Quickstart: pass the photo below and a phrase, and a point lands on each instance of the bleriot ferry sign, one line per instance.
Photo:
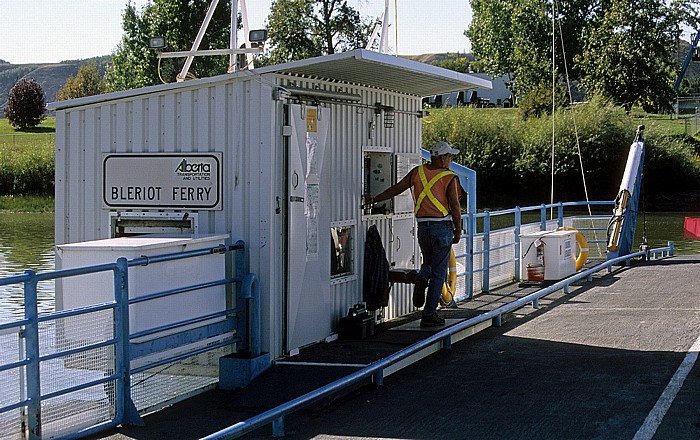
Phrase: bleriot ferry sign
(162, 180)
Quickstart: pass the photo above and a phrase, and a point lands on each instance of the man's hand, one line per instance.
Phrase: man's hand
(456, 235)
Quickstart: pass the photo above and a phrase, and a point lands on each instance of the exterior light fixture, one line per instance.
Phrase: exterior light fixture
(257, 35)
(156, 42)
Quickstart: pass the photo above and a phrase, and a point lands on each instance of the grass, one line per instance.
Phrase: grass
(48, 125)
(26, 204)
(27, 167)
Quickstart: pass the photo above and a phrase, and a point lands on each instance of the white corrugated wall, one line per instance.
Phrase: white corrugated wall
(235, 116)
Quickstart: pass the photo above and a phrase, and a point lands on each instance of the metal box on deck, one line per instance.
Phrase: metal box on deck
(143, 280)
(559, 254)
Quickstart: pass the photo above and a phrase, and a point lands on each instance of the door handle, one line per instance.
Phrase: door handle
(296, 199)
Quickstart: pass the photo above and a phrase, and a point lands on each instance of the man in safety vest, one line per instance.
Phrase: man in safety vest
(436, 196)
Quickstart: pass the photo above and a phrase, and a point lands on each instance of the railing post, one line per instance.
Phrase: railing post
(671, 245)
(239, 256)
(560, 214)
(378, 377)
(31, 335)
(516, 232)
(126, 412)
(469, 259)
(278, 427)
(486, 255)
(543, 217)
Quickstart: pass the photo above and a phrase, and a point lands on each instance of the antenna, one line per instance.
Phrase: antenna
(259, 37)
(379, 40)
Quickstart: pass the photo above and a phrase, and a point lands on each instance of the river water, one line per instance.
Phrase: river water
(27, 242)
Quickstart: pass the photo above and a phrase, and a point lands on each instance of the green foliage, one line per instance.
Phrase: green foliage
(136, 65)
(538, 101)
(618, 48)
(512, 156)
(87, 82)
(515, 37)
(628, 53)
(26, 104)
(27, 169)
(673, 163)
(301, 29)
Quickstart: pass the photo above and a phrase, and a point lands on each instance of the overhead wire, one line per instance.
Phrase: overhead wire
(573, 117)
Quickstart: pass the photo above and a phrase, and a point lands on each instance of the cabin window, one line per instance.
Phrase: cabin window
(342, 251)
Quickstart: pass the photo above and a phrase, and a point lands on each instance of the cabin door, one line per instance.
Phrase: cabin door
(308, 308)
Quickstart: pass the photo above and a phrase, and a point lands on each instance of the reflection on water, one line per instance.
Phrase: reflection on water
(662, 227)
(26, 242)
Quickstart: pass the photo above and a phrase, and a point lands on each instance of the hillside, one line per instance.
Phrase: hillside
(51, 77)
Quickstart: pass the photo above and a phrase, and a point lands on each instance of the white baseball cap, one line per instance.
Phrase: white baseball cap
(441, 148)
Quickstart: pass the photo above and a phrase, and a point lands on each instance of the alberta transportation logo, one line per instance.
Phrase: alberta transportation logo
(193, 170)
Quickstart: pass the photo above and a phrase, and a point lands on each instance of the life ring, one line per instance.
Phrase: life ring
(582, 256)
(450, 287)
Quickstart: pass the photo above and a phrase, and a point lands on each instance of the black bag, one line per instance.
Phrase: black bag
(375, 287)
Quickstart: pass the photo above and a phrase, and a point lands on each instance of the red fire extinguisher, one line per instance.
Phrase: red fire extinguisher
(535, 272)
(539, 247)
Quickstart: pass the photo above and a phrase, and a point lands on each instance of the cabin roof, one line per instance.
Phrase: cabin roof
(360, 67)
(374, 69)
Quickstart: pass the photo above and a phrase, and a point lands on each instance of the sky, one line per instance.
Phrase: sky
(49, 31)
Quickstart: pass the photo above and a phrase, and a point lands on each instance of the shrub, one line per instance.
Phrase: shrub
(512, 157)
(26, 104)
(538, 101)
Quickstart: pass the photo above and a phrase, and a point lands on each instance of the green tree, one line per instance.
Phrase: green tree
(26, 104)
(514, 38)
(628, 53)
(136, 65)
(301, 29)
(86, 82)
(621, 49)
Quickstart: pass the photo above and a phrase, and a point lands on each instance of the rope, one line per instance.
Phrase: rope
(576, 134)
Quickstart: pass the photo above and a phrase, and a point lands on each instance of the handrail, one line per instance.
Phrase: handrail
(275, 416)
(123, 340)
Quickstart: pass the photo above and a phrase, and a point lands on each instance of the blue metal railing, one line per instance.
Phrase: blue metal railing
(375, 371)
(488, 255)
(246, 331)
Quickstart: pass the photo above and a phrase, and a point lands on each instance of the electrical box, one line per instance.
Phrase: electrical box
(377, 176)
(557, 255)
(405, 162)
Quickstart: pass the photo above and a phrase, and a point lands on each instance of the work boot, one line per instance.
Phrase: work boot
(433, 320)
(419, 292)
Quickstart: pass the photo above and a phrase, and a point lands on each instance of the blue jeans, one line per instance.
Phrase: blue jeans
(435, 241)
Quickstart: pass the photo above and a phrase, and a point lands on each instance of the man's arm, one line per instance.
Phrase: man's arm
(392, 191)
(455, 212)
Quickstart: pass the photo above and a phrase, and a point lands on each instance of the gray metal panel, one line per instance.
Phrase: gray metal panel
(374, 69)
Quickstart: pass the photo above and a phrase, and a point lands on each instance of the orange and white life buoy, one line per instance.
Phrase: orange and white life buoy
(450, 286)
(582, 256)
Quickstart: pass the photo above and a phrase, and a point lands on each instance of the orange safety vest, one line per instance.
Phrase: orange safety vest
(430, 192)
